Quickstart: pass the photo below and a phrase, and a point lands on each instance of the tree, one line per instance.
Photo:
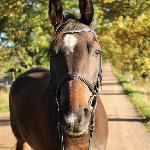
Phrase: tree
(126, 35)
(123, 29)
(27, 34)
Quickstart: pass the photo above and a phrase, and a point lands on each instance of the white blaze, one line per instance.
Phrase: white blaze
(70, 42)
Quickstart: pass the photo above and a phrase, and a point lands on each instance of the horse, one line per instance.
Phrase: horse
(60, 108)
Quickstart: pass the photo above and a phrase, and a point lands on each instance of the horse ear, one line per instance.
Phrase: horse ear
(87, 11)
(55, 12)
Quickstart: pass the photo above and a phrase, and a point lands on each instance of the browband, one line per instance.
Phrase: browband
(80, 30)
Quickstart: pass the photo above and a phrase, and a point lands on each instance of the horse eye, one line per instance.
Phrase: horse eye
(97, 52)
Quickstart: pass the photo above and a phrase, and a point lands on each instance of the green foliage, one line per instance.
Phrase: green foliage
(123, 29)
(138, 94)
(125, 37)
(4, 106)
(25, 34)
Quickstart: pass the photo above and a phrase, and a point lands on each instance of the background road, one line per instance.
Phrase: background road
(126, 130)
(7, 140)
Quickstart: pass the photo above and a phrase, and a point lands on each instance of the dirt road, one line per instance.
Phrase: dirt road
(126, 130)
(7, 140)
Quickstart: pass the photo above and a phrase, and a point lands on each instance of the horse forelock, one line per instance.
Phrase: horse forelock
(68, 19)
(70, 23)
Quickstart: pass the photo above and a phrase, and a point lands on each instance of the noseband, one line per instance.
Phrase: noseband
(93, 89)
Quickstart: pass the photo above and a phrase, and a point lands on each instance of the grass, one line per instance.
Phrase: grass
(139, 95)
(4, 106)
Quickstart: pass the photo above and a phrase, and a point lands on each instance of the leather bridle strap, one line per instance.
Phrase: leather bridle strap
(76, 76)
(80, 30)
(93, 88)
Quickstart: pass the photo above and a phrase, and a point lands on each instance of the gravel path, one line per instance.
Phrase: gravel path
(7, 140)
(126, 130)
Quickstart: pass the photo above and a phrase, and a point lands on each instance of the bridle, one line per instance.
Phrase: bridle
(93, 88)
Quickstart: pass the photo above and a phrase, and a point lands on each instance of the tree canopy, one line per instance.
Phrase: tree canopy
(123, 29)
(126, 39)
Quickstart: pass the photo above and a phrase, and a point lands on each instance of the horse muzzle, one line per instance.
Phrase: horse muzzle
(76, 123)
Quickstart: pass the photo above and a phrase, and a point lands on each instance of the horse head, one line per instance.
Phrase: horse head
(75, 59)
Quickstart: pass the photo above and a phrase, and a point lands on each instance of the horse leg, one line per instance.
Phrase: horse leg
(22, 146)
(19, 145)
(26, 146)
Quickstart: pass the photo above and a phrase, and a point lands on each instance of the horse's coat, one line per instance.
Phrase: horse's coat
(56, 109)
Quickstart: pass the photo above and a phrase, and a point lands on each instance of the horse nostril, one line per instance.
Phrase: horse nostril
(86, 111)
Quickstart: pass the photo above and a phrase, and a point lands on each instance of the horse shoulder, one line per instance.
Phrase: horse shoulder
(30, 95)
(32, 79)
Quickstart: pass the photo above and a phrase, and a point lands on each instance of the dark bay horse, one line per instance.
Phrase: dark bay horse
(61, 109)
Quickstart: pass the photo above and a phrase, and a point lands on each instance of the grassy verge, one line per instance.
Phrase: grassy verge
(139, 94)
(4, 107)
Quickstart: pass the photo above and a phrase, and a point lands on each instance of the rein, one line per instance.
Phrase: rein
(94, 89)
